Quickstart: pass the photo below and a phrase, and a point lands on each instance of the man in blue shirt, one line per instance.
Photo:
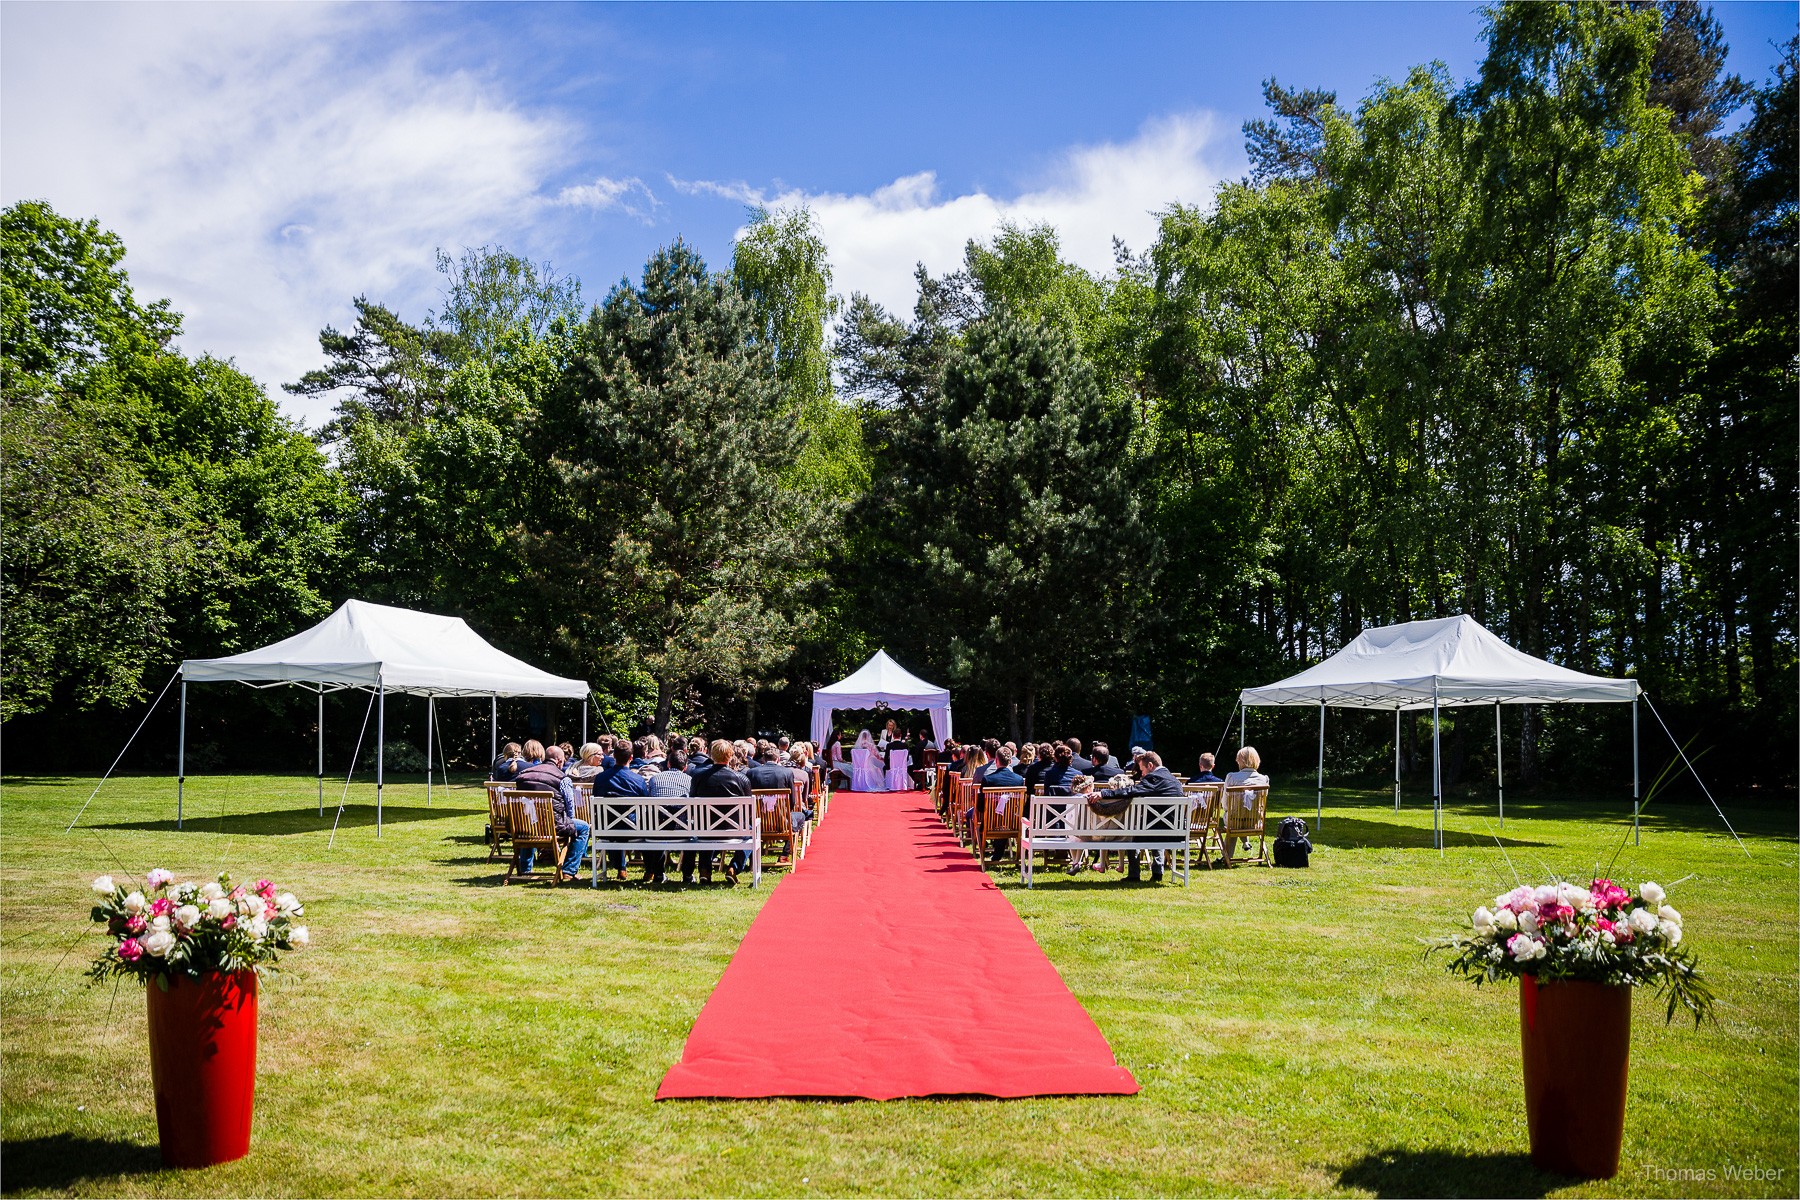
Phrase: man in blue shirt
(618, 779)
(1206, 771)
(1000, 773)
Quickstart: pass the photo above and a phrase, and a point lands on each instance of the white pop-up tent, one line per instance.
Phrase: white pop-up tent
(1450, 663)
(379, 649)
(881, 681)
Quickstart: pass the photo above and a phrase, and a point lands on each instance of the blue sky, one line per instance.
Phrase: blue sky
(267, 163)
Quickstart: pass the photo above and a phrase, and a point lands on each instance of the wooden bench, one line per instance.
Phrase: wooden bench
(1153, 823)
(676, 823)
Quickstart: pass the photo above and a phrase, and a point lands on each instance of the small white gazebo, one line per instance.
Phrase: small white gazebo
(379, 649)
(1450, 663)
(882, 681)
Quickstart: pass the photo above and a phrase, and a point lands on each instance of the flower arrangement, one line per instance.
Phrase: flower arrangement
(1600, 933)
(193, 929)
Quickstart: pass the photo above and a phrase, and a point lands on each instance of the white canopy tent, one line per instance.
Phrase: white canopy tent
(379, 649)
(881, 681)
(1450, 663)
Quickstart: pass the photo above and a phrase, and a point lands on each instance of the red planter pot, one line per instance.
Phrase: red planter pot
(203, 1067)
(1576, 1039)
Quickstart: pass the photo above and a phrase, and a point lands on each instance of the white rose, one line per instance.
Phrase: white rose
(1607, 937)
(1650, 894)
(1670, 931)
(159, 943)
(160, 924)
(211, 891)
(299, 936)
(1576, 898)
(187, 916)
(1506, 919)
(104, 885)
(288, 903)
(259, 929)
(1483, 920)
(1668, 914)
(219, 909)
(135, 902)
(1528, 923)
(1643, 920)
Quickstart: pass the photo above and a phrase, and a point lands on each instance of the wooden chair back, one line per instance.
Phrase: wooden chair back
(774, 813)
(1242, 810)
(1203, 820)
(998, 816)
(531, 821)
(498, 829)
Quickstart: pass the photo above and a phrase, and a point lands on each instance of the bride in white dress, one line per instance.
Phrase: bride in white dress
(865, 766)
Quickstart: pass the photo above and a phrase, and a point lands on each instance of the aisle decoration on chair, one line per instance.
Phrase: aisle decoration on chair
(201, 947)
(1577, 953)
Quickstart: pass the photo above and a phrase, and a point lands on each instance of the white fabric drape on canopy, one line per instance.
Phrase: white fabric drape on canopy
(881, 680)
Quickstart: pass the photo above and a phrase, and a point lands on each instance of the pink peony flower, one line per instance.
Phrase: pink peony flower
(130, 950)
(237, 893)
(1608, 895)
(229, 922)
(265, 889)
(134, 924)
(270, 910)
(159, 878)
(162, 906)
(1520, 899)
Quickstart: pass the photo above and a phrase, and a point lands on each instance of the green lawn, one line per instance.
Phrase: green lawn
(445, 1036)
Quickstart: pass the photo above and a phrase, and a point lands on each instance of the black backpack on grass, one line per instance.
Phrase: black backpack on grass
(1292, 846)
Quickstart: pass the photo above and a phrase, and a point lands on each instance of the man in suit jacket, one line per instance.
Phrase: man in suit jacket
(1157, 781)
(716, 778)
(1000, 773)
(767, 772)
(546, 774)
(1105, 765)
(1083, 766)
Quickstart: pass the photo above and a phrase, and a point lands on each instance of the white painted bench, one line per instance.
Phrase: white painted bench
(1153, 823)
(675, 823)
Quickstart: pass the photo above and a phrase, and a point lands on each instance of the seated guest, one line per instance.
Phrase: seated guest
(592, 762)
(766, 773)
(546, 774)
(1157, 781)
(654, 752)
(1248, 774)
(1206, 771)
(1027, 758)
(837, 760)
(605, 742)
(696, 754)
(784, 751)
(990, 750)
(1105, 766)
(640, 758)
(620, 780)
(511, 761)
(1060, 777)
(715, 779)
(672, 781)
(999, 774)
(1082, 765)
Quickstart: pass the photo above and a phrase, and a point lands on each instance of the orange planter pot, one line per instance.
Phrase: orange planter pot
(203, 1067)
(1576, 1039)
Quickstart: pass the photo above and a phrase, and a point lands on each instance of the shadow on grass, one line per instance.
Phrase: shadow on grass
(281, 822)
(1353, 833)
(62, 1160)
(1399, 1172)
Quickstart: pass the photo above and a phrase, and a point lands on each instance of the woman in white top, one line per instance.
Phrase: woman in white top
(1248, 774)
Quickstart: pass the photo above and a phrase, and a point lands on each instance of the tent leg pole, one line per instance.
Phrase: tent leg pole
(584, 705)
(321, 751)
(1437, 778)
(1637, 835)
(1499, 765)
(1243, 739)
(181, 756)
(430, 720)
(1396, 760)
(380, 747)
(493, 728)
(1319, 808)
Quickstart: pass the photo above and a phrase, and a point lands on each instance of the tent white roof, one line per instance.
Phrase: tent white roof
(363, 645)
(881, 680)
(1456, 660)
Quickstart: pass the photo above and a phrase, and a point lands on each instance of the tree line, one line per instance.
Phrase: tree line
(1521, 346)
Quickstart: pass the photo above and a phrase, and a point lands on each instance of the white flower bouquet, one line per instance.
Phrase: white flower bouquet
(1601, 933)
(169, 928)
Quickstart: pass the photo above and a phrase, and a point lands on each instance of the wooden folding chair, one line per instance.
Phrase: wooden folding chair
(997, 818)
(498, 828)
(775, 815)
(1241, 813)
(1203, 823)
(531, 817)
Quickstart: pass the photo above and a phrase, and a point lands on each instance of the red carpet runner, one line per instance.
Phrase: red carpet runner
(889, 965)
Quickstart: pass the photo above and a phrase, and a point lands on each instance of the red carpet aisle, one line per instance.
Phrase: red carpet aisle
(888, 965)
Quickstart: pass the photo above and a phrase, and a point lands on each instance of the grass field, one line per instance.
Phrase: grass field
(445, 1036)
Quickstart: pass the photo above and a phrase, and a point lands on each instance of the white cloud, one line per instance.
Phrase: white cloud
(630, 196)
(260, 164)
(1091, 195)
